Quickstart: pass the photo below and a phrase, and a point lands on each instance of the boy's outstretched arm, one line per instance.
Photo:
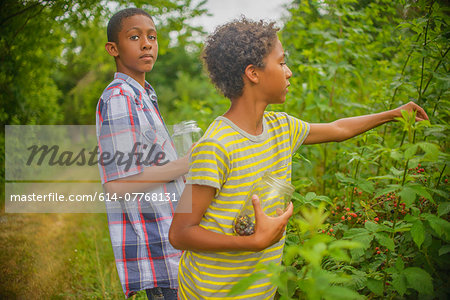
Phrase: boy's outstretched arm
(346, 128)
(186, 234)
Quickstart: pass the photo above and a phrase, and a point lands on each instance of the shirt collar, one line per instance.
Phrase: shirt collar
(133, 83)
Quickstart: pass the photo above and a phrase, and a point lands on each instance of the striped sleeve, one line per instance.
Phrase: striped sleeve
(298, 130)
(208, 164)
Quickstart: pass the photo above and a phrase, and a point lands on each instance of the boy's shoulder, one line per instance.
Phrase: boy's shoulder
(275, 115)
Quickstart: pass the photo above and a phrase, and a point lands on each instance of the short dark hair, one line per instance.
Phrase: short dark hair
(115, 23)
(232, 47)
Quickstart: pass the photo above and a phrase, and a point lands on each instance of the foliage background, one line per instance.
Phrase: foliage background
(348, 58)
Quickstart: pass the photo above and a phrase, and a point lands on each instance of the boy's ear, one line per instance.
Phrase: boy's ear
(111, 48)
(251, 73)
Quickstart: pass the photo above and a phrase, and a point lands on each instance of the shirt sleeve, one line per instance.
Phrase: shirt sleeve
(119, 138)
(299, 130)
(208, 164)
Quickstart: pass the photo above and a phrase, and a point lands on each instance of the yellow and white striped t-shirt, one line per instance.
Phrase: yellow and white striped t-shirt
(231, 160)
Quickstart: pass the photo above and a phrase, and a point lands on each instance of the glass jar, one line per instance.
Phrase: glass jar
(274, 195)
(184, 135)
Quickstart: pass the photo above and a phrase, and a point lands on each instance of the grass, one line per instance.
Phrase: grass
(57, 256)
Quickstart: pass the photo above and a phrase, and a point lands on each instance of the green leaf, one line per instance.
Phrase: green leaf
(421, 191)
(391, 188)
(365, 185)
(340, 292)
(410, 218)
(408, 195)
(376, 286)
(399, 283)
(443, 208)
(399, 264)
(419, 280)
(444, 250)
(418, 233)
(410, 151)
(343, 244)
(371, 226)
(345, 179)
(388, 177)
(431, 150)
(243, 284)
(351, 233)
(385, 241)
(310, 196)
(440, 226)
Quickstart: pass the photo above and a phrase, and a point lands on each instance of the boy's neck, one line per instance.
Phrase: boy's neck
(247, 113)
(139, 77)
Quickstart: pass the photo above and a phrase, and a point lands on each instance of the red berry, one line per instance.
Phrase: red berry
(360, 193)
(331, 229)
(376, 248)
(323, 231)
(378, 252)
(349, 218)
(337, 207)
(446, 180)
(387, 283)
(343, 218)
(377, 219)
(347, 209)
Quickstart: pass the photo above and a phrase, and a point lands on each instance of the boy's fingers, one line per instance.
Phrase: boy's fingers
(288, 212)
(256, 205)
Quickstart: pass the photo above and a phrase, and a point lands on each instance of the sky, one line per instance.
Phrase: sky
(227, 10)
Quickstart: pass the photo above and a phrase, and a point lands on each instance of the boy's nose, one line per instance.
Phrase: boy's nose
(288, 72)
(146, 44)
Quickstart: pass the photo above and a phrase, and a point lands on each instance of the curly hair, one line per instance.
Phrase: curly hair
(232, 47)
(115, 23)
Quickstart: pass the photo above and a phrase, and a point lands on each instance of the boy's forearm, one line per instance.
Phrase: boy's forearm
(197, 238)
(151, 177)
(346, 128)
(353, 126)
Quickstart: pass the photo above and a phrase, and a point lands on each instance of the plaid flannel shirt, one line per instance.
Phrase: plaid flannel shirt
(130, 127)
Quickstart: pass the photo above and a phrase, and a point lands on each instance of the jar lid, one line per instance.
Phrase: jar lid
(281, 184)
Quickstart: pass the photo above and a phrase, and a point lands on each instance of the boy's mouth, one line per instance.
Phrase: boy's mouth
(146, 56)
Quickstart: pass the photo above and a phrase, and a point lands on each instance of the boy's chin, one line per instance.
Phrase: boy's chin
(148, 68)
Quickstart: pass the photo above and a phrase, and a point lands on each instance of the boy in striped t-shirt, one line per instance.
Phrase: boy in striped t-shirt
(246, 62)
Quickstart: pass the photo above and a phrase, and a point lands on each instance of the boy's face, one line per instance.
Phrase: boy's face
(137, 47)
(274, 78)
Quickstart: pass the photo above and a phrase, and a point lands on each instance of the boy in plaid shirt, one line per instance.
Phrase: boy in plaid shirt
(139, 167)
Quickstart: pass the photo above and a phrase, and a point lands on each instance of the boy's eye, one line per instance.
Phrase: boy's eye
(134, 37)
(283, 63)
(152, 37)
